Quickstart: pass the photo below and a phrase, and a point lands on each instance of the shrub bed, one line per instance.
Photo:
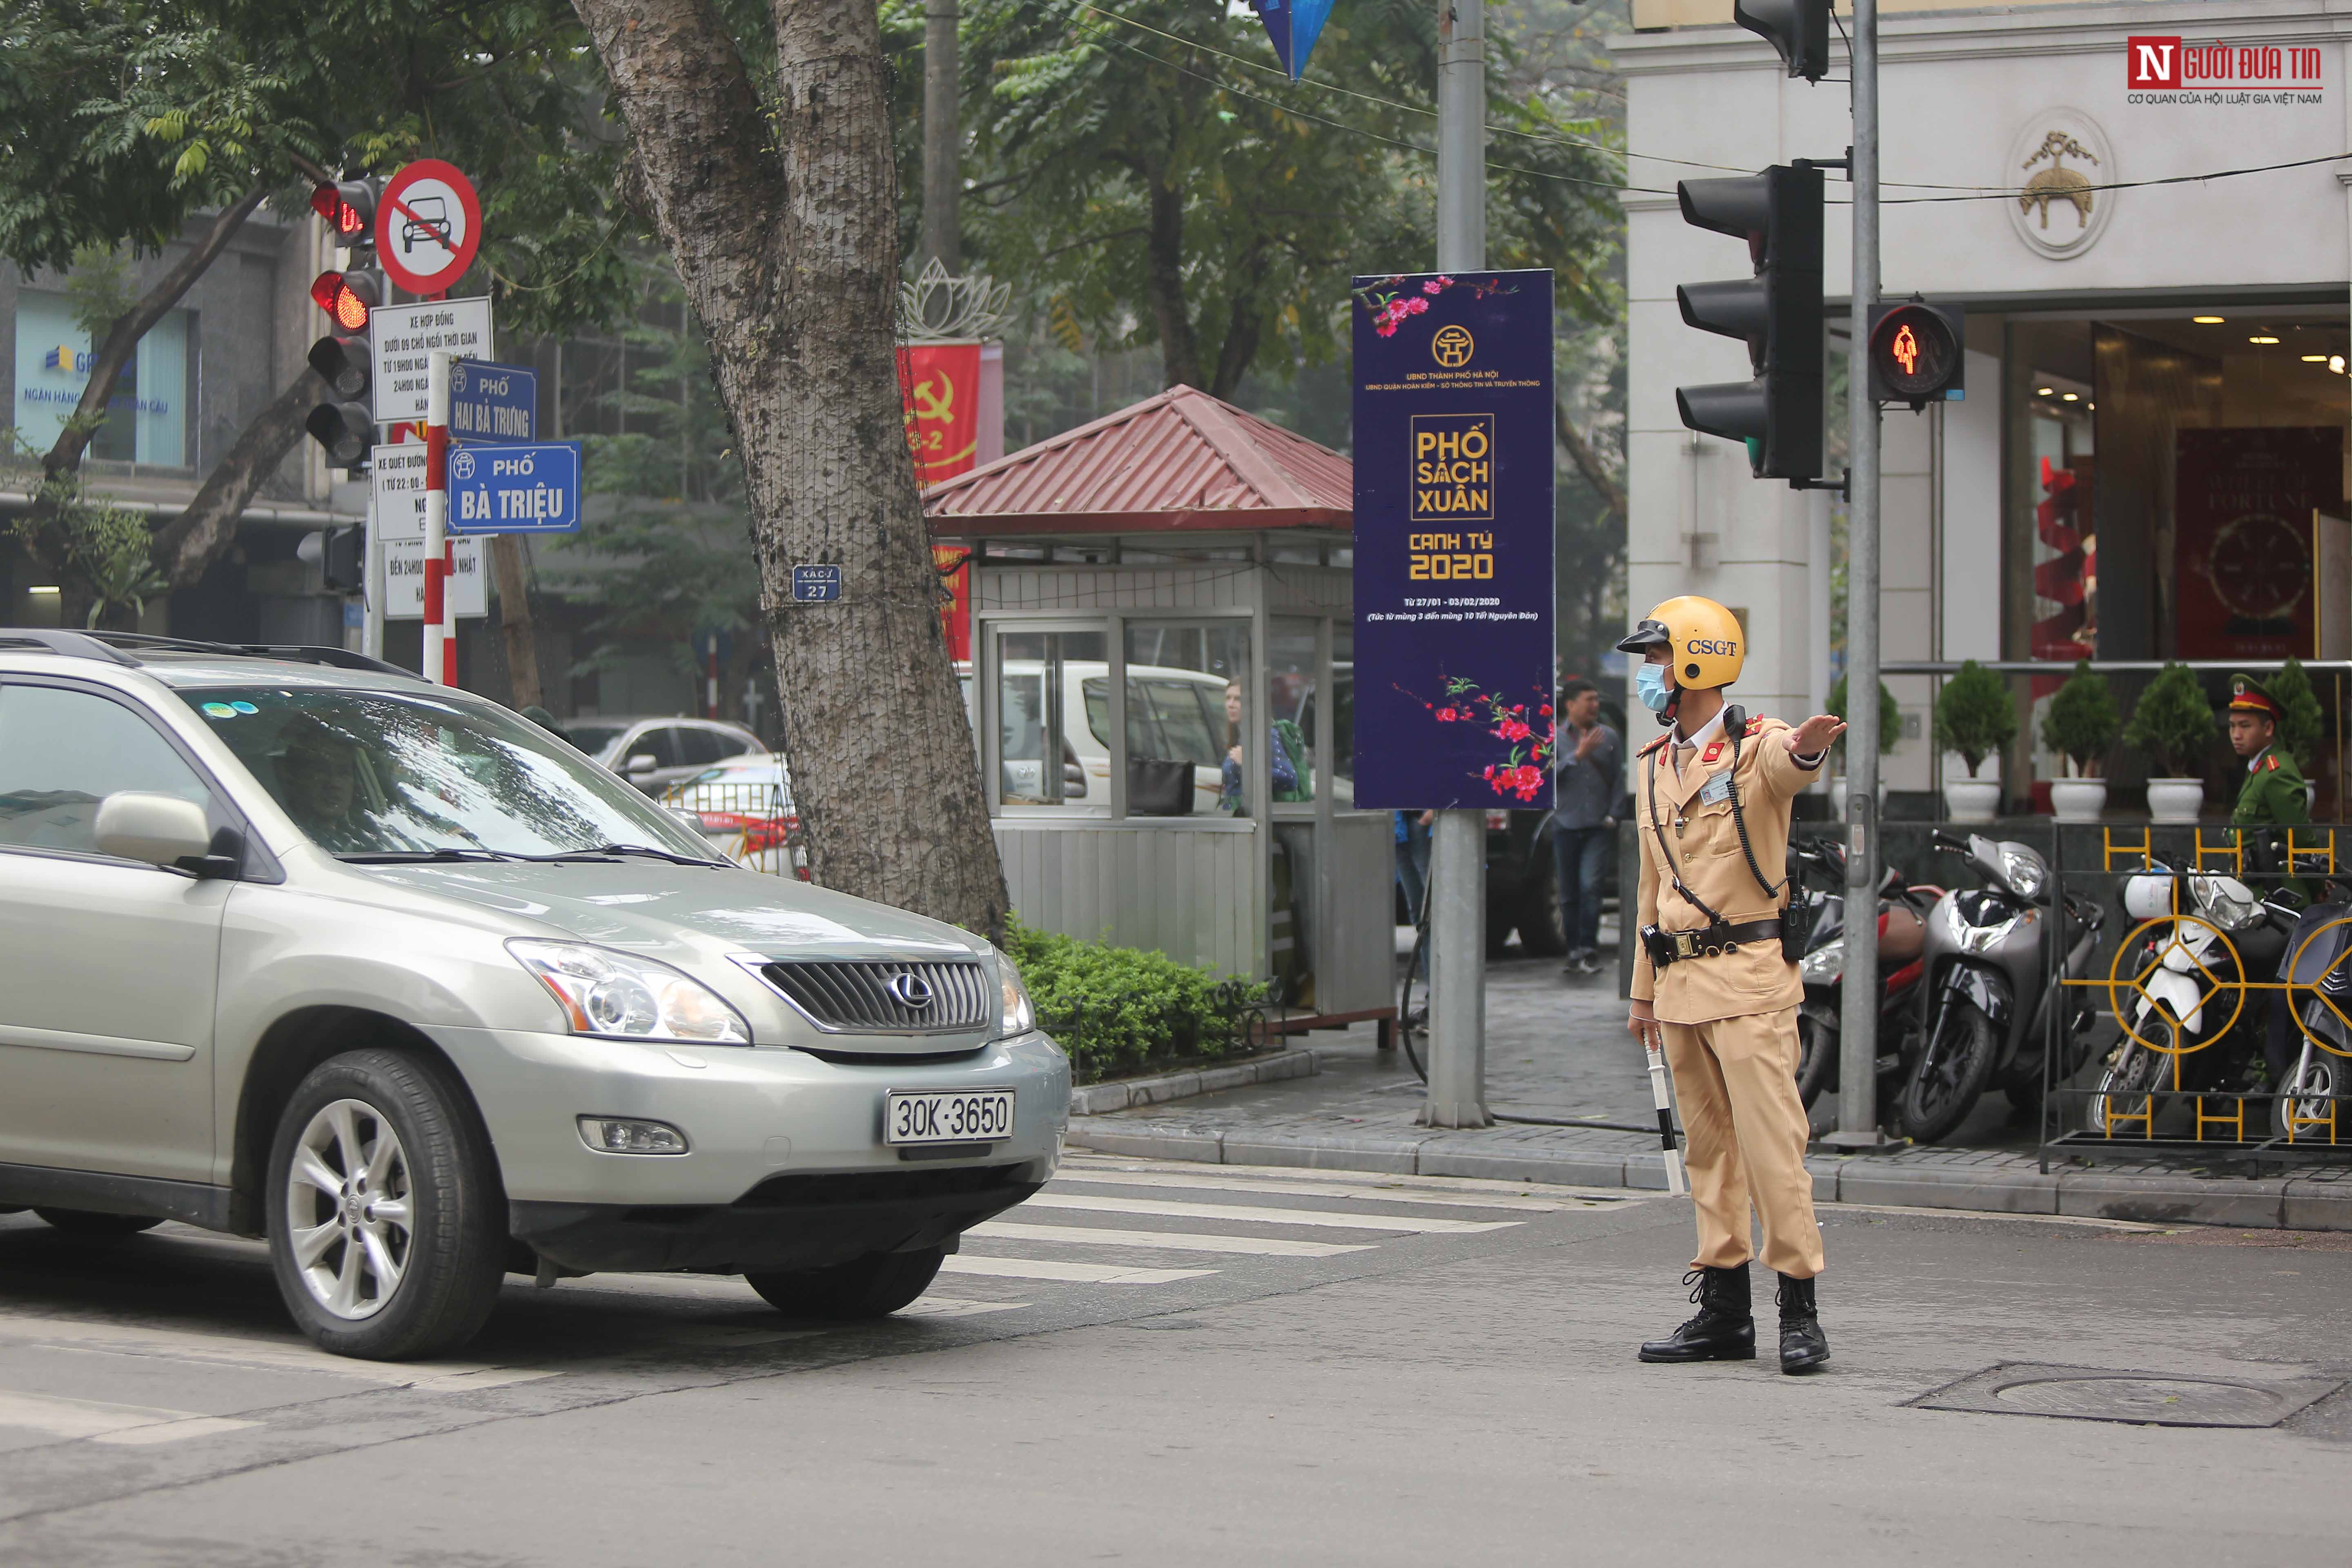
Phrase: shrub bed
(1117, 1009)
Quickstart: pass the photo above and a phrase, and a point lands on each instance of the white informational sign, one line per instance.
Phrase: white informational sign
(404, 577)
(405, 336)
(399, 473)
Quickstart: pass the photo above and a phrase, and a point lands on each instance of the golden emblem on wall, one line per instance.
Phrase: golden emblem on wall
(1453, 346)
(2059, 183)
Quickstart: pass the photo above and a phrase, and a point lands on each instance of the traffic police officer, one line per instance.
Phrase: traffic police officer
(1712, 974)
(2273, 793)
(2272, 796)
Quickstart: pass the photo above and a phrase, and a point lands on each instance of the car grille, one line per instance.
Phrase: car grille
(886, 997)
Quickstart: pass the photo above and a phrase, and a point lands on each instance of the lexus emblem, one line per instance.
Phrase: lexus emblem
(910, 991)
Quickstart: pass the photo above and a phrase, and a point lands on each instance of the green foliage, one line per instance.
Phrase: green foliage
(1116, 1008)
(1976, 715)
(100, 289)
(2082, 719)
(2301, 725)
(1890, 714)
(104, 553)
(2173, 723)
(1156, 180)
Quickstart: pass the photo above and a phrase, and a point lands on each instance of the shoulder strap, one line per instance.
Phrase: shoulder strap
(1735, 725)
(1666, 856)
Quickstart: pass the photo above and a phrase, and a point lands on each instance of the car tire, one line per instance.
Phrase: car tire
(385, 1253)
(872, 1286)
(96, 1226)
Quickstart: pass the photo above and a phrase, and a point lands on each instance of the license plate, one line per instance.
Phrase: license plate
(980, 1118)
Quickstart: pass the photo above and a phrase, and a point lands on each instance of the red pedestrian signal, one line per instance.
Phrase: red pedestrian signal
(348, 297)
(1917, 352)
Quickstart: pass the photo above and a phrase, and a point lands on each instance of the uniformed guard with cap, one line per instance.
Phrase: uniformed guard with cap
(2273, 793)
(1716, 975)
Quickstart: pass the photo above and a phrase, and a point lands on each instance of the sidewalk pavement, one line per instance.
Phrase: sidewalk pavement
(1557, 1047)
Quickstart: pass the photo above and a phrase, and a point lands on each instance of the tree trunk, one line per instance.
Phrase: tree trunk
(1179, 348)
(786, 241)
(186, 547)
(514, 619)
(1588, 462)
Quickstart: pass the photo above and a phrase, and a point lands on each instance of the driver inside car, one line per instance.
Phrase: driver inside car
(318, 776)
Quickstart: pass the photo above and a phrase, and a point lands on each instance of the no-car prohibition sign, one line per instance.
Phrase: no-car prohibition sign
(427, 226)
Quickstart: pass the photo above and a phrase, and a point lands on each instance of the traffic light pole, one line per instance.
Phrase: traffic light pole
(1858, 1059)
(440, 660)
(1457, 884)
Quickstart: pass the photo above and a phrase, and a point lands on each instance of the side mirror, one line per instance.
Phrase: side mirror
(156, 829)
(639, 764)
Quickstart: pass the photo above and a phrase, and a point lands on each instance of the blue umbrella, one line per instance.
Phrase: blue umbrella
(1293, 25)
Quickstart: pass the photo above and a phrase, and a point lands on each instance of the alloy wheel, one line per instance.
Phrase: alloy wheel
(348, 1215)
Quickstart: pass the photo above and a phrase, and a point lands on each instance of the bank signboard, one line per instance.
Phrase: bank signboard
(1453, 540)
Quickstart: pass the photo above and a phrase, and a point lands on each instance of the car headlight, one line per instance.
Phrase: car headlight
(1824, 965)
(621, 996)
(1019, 1016)
(2022, 869)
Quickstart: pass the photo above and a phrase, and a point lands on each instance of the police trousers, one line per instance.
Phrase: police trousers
(1735, 1081)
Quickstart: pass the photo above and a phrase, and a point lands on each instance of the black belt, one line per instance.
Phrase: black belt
(1667, 947)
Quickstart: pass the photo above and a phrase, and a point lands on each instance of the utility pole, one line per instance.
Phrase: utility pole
(1858, 1059)
(1457, 924)
(943, 135)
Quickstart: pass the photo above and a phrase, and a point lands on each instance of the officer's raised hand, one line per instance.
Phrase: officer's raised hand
(1815, 735)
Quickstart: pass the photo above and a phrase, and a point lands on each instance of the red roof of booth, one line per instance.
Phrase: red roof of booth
(1181, 460)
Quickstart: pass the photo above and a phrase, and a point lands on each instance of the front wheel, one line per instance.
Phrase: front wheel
(2121, 1102)
(1950, 1075)
(2319, 1077)
(872, 1286)
(1817, 1049)
(388, 1222)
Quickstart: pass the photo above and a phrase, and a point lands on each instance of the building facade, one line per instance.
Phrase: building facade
(2150, 459)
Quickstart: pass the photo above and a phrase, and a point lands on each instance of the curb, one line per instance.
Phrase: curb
(2298, 1202)
(1101, 1098)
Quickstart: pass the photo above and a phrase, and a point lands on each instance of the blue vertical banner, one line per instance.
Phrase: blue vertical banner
(1453, 540)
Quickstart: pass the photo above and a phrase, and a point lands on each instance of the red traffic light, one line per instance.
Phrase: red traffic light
(1915, 352)
(348, 297)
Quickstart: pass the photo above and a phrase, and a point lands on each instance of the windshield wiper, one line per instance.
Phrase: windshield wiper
(422, 856)
(609, 851)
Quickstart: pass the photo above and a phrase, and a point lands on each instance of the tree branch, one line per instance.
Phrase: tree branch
(123, 338)
(1588, 462)
(186, 546)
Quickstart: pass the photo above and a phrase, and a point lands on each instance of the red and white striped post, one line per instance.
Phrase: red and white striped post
(440, 659)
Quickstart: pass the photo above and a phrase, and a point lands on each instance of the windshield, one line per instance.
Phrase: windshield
(592, 738)
(381, 772)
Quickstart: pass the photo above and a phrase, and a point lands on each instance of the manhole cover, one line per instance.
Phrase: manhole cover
(2155, 1398)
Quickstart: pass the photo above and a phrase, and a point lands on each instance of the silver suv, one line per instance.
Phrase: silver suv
(295, 944)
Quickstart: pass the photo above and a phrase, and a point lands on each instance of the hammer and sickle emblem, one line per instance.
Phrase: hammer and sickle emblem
(935, 405)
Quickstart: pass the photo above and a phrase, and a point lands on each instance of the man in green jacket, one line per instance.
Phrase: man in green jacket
(2272, 796)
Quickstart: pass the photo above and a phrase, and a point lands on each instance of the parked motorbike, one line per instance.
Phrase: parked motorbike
(2187, 1007)
(1819, 870)
(2318, 954)
(1986, 1004)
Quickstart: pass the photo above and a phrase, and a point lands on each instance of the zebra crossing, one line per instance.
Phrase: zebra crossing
(1107, 1231)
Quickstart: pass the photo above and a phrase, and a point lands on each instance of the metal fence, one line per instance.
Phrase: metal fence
(752, 824)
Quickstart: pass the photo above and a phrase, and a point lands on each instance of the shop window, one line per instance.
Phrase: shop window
(147, 419)
(1047, 754)
(1191, 678)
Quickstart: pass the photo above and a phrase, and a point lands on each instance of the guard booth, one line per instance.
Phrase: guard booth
(1161, 685)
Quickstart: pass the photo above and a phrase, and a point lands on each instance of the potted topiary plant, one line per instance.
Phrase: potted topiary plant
(2301, 725)
(2173, 723)
(1975, 717)
(2080, 727)
(1890, 729)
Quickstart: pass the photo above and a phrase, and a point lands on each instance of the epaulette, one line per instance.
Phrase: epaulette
(2271, 763)
(1755, 727)
(1653, 746)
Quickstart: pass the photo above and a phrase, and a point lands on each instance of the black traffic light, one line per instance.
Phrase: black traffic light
(1777, 314)
(345, 422)
(348, 208)
(342, 552)
(1799, 29)
(1919, 353)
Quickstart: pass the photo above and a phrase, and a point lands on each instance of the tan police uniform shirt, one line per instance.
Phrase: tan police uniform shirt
(1693, 810)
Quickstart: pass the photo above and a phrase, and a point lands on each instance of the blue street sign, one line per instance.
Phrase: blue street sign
(492, 402)
(816, 585)
(515, 490)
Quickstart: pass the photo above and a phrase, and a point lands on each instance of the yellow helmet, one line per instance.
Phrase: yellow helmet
(1709, 647)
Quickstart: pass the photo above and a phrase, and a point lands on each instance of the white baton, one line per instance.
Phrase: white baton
(1659, 1097)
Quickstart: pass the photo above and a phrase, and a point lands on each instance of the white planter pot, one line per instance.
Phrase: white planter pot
(2078, 800)
(1837, 796)
(2175, 800)
(1972, 800)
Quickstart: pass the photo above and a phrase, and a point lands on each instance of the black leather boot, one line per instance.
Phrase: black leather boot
(1725, 1328)
(1803, 1346)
